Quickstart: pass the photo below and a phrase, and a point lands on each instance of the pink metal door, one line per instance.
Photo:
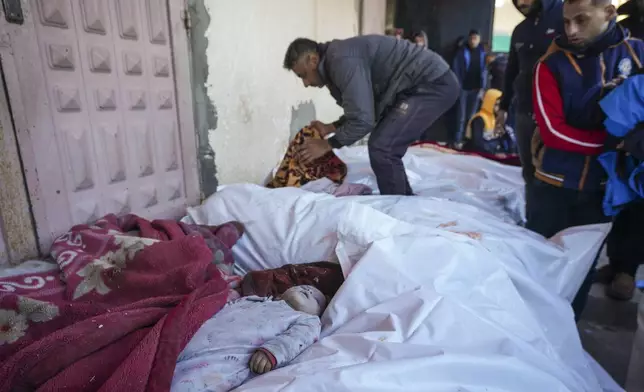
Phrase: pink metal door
(100, 126)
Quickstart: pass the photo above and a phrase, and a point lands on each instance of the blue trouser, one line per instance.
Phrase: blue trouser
(465, 110)
(556, 209)
(413, 112)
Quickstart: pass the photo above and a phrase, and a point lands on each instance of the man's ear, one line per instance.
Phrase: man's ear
(314, 59)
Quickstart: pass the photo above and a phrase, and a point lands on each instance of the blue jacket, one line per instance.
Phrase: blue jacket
(624, 109)
(462, 63)
(530, 41)
(568, 86)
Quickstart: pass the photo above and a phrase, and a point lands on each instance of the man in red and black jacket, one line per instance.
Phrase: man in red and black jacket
(580, 66)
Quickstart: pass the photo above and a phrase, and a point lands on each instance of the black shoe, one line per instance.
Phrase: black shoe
(604, 275)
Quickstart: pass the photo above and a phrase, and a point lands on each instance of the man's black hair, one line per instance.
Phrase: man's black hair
(297, 49)
(474, 32)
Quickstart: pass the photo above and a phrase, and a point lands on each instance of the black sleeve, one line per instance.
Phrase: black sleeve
(511, 73)
(339, 122)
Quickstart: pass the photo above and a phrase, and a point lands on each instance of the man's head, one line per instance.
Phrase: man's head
(302, 57)
(527, 7)
(585, 20)
(307, 299)
(474, 39)
(419, 39)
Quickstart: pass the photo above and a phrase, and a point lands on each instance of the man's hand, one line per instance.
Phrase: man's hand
(322, 128)
(615, 82)
(313, 149)
(501, 116)
(260, 363)
(499, 131)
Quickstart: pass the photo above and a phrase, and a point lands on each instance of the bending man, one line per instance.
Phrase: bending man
(390, 88)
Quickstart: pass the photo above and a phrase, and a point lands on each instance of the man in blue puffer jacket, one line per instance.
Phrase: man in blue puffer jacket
(471, 71)
(624, 199)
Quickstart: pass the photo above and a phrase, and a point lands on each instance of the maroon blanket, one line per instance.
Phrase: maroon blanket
(120, 309)
(506, 159)
(325, 276)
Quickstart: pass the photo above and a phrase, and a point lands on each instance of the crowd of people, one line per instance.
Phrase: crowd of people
(481, 76)
(542, 101)
(565, 59)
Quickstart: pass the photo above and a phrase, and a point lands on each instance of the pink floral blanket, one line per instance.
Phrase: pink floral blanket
(125, 299)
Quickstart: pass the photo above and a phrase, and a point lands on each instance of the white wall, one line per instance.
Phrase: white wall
(252, 93)
(374, 15)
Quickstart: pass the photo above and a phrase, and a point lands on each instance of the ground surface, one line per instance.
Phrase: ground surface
(607, 331)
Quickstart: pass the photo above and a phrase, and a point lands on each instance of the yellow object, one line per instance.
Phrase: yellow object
(486, 113)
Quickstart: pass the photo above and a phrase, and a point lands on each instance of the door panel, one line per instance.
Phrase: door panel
(101, 122)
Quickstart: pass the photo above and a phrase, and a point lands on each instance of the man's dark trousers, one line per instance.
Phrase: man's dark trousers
(524, 130)
(625, 244)
(468, 104)
(404, 123)
(556, 209)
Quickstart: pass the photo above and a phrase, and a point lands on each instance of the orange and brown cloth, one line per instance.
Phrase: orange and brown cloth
(324, 275)
(295, 174)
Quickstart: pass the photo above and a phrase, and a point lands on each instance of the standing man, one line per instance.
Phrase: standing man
(635, 20)
(530, 40)
(391, 88)
(594, 55)
(471, 70)
(497, 68)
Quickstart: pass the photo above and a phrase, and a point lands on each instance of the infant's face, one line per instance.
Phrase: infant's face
(305, 299)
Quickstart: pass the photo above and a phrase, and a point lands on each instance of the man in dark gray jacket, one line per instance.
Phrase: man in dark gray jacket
(390, 88)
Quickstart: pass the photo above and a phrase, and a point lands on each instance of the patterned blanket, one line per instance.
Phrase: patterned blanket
(506, 159)
(119, 309)
(294, 174)
(326, 276)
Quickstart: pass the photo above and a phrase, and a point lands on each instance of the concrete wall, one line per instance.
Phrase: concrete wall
(258, 104)
(17, 234)
(374, 15)
(506, 17)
